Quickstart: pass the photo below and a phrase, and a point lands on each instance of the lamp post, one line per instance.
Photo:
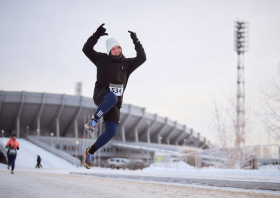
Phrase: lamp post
(160, 139)
(2, 135)
(51, 138)
(148, 121)
(77, 146)
(37, 134)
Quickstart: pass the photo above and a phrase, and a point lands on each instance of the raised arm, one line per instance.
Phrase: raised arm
(88, 46)
(140, 53)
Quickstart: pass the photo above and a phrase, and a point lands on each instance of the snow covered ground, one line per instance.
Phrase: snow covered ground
(55, 179)
(27, 156)
(3, 165)
(26, 161)
(269, 167)
(183, 169)
(26, 184)
(248, 175)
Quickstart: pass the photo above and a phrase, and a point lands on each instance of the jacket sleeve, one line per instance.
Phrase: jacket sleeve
(8, 145)
(89, 51)
(139, 59)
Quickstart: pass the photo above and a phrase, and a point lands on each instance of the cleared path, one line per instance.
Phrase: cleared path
(30, 184)
(190, 180)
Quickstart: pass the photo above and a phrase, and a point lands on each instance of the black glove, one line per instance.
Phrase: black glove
(100, 31)
(133, 36)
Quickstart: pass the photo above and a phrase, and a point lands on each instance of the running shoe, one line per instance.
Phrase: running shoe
(12, 172)
(90, 126)
(87, 158)
(8, 167)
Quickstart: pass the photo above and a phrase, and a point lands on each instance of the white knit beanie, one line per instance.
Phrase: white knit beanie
(110, 43)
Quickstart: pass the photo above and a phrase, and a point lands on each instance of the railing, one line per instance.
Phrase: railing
(262, 157)
(66, 140)
(55, 151)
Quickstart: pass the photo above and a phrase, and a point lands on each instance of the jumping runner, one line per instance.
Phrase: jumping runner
(113, 71)
(12, 146)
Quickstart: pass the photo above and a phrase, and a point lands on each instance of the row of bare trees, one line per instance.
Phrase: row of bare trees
(270, 106)
(224, 123)
(224, 117)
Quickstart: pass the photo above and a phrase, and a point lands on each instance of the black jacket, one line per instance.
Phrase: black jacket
(109, 71)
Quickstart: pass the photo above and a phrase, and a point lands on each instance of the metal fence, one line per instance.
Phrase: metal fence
(262, 157)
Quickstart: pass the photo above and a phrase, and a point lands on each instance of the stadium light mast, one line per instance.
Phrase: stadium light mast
(241, 45)
(78, 89)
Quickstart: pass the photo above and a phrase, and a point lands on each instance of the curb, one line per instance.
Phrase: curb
(201, 181)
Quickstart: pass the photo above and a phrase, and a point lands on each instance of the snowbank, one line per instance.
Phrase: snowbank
(184, 169)
(3, 165)
(179, 165)
(170, 168)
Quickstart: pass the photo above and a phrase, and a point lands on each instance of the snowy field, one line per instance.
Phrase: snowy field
(27, 156)
(54, 179)
(46, 184)
(184, 170)
(250, 175)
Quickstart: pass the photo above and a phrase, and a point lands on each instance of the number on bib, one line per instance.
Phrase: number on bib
(116, 89)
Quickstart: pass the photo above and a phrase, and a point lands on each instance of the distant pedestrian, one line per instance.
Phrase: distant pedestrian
(39, 162)
(12, 146)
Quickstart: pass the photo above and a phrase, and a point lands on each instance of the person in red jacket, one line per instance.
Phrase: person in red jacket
(13, 146)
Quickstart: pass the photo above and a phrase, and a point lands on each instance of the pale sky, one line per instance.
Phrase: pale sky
(189, 47)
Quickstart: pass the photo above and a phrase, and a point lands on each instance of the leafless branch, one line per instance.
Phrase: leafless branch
(270, 106)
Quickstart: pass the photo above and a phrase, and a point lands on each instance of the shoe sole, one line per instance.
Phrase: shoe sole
(85, 157)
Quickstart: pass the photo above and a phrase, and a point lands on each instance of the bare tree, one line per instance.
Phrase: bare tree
(219, 126)
(270, 106)
(224, 123)
(225, 128)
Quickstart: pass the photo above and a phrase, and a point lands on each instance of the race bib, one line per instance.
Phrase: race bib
(116, 89)
(12, 150)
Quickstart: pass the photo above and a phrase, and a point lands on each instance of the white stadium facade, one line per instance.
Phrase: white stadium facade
(58, 120)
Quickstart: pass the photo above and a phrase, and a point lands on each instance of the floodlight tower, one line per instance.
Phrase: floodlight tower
(241, 45)
(78, 89)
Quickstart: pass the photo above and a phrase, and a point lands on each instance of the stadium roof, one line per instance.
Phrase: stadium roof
(65, 116)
